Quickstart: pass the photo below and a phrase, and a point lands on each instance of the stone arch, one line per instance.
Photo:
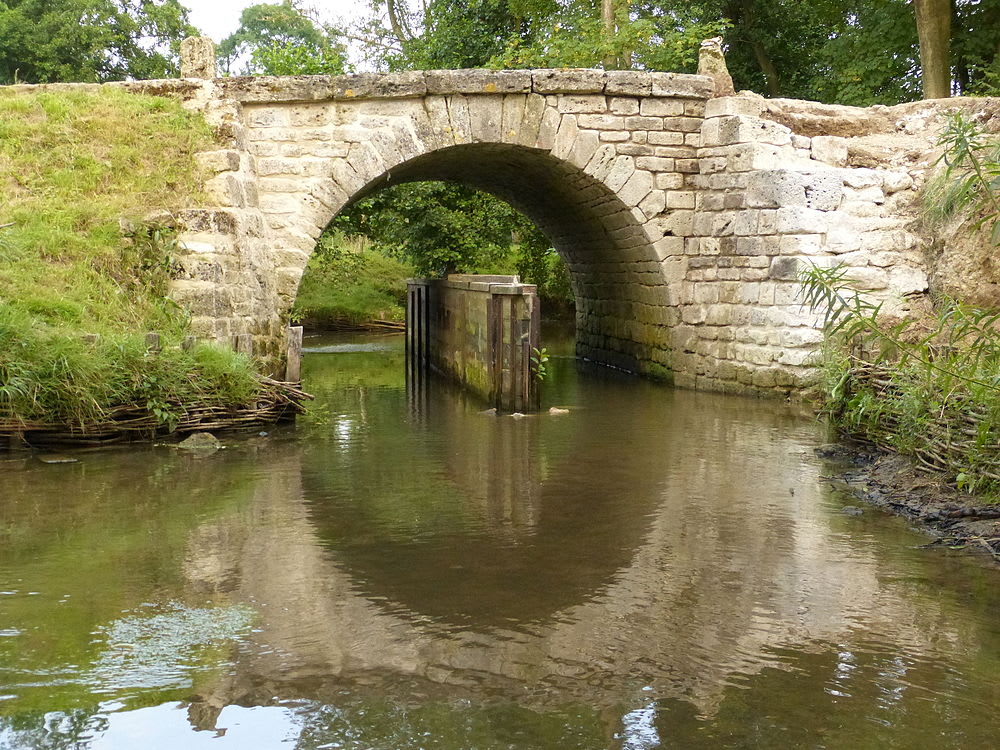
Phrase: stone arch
(599, 202)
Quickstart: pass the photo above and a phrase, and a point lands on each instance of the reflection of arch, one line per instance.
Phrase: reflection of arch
(494, 537)
(599, 204)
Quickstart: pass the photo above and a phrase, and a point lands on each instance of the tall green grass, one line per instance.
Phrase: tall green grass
(79, 171)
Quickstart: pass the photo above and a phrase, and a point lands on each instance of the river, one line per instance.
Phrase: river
(654, 568)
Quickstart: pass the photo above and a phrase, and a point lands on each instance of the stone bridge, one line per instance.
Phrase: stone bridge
(684, 219)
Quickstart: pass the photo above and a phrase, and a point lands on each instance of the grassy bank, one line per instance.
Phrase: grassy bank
(78, 174)
(926, 387)
(347, 282)
(351, 281)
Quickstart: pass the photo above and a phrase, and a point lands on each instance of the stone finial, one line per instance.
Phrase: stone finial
(712, 62)
(197, 57)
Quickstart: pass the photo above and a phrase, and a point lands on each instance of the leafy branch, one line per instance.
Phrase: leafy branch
(959, 341)
(970, 180)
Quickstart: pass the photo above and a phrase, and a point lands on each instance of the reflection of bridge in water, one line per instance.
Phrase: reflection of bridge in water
(549, 581)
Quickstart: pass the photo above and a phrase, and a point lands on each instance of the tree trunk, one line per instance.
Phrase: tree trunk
(608, 22)
(767, 68)
(397, 23)
(934, 32)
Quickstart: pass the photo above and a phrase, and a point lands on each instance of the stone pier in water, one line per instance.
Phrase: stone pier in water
(479, 331)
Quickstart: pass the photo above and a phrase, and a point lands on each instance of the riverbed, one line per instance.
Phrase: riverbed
(652, 568)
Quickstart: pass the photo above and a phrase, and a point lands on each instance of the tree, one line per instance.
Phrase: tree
(934, 30)
(280, 39)
(90, 40)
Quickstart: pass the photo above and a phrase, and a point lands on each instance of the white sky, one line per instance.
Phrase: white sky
(220, 18)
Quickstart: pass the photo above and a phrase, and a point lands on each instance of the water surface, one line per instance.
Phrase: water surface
(655, 568)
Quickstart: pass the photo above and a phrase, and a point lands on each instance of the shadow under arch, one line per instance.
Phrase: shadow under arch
(621, 300)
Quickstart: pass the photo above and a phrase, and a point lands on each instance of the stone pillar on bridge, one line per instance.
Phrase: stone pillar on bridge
(198, 57)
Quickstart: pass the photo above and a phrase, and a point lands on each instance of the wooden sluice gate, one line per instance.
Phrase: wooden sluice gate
(479, 331)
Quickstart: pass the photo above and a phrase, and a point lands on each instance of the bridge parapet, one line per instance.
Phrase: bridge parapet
(417, 84)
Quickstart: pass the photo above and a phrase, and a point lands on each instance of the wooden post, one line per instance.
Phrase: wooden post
(293, 359)
(153, 343)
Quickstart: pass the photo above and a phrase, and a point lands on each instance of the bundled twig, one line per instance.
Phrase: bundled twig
(276, 402)
(945, 444)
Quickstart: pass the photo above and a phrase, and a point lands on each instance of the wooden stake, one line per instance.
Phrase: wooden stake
(293, 361)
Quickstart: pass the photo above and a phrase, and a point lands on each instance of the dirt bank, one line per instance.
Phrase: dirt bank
(891, 482)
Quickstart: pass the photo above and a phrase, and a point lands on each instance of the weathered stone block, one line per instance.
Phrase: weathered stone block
(478, 81)
(198, 57)
(682, 85)
(830, 150)
(638, 122)
(485, 118)
(661, 107)
(582, 104)
(628, 82)
(751, 106)
(636, 188)
(743, 129)
(221, 160)
(573, 81)
(602, 122)
(623, 105)
(800, 220)
(669, 138)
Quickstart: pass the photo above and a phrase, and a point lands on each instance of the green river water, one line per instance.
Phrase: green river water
(656, 568)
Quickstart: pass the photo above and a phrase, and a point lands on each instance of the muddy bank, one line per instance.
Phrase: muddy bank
(892, 482)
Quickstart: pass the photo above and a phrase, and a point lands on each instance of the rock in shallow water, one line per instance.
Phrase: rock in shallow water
(203, 442)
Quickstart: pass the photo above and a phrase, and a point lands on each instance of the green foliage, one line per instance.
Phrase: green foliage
(281, 39)
(645, 36)
(970, 180)
(539, 363)
(77, 173)
(440, 228)
(90, 40)
(347, 281)
(460, 34)
(928, 387)
(289, 59)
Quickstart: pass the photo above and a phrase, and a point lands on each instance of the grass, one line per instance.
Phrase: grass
(347, 281)
(79, 171)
